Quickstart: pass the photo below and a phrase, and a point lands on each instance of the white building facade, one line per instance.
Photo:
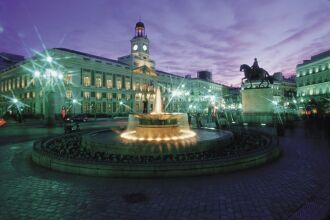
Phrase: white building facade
(85, 83)
(313, 77)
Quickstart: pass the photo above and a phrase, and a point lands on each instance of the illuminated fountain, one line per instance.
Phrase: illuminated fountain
(158, 126)
(157, 133)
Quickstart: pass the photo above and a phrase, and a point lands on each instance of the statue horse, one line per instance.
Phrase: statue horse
(258, 74)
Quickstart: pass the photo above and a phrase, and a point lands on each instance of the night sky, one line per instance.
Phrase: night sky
(185, 36)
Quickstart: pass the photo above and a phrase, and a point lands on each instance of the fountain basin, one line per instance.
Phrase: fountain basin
(158, 127)
(109, 141)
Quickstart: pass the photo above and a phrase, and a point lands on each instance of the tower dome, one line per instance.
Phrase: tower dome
(139, 29)
(139, 25)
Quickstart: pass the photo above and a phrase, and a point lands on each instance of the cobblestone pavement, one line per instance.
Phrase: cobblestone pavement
(296, 186)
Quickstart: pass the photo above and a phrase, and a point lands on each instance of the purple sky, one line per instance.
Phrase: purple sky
(185, 36)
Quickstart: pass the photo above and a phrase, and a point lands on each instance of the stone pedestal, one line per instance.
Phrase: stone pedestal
(257, 106)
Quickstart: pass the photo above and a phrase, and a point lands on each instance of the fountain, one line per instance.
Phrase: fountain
(158, 144)
(158, 126)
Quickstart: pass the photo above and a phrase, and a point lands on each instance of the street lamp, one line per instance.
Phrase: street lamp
(36, 73)
(49, 59)
(74, 101)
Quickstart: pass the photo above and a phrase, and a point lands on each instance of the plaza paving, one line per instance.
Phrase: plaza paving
(296, 186)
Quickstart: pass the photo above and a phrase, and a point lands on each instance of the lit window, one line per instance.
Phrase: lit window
(68, 94)
(68, 79)
(109, 83)
(119, 96)
(128, 85)
(98, 95)
(98, 82)
(87, 81)
(119, 84)
(9, 85)
(109, 96)
(17, 83)
(87, 95)
(22, 82)
(27, 95)
(136, 86)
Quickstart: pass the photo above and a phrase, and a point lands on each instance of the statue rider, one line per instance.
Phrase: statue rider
(255, 69)
(255, 65)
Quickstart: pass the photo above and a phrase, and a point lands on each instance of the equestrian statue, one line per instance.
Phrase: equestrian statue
(255, 73)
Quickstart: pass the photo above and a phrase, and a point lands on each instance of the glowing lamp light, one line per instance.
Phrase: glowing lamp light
(54, 73)
(15, 100)
(274, 102)
(60, 76)
(263, 124)
(36, 73)
(121, 102)
(176, 93)
(294, 101)
(74, 101)
(49, 59)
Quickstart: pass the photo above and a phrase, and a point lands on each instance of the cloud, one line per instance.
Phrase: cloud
(185, 36)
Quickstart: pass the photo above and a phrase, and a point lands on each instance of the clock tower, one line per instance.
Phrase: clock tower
(139, 56)
(140, 42)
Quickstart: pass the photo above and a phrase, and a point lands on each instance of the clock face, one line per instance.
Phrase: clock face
(135, 47)
(145, 47)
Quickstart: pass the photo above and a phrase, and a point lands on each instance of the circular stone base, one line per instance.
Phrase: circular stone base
(65, 154)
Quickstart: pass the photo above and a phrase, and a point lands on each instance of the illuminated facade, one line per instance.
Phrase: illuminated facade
(313, 77)
(98, 85)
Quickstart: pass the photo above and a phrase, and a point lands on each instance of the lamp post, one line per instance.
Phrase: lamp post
(74, 102)
(49, 79)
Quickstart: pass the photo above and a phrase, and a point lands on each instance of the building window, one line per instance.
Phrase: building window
(118, 84)
(87, 95)
(128, 85)
(98, 82)
(109, 96)
(109, 107)
(137, 96)
(98, 107)
(98, 95)
(28, 95)
(22, 82)
(68, 79)
(68, 94)
(109, 83)
(87, 81)
(9, 84)
(17, 82)
(119, 96)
